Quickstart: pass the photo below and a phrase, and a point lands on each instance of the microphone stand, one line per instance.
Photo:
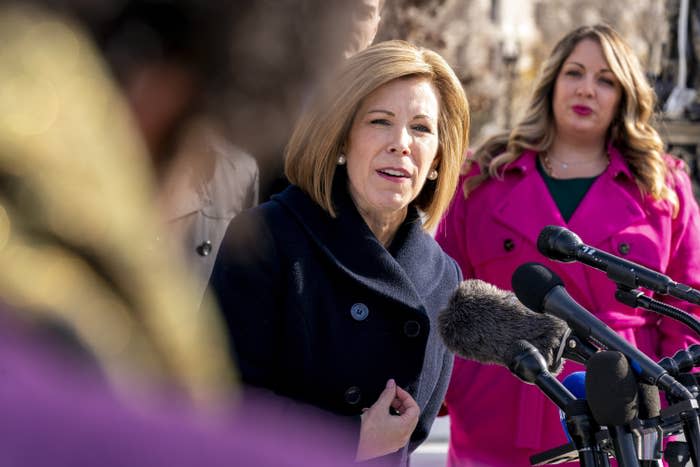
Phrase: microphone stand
(628, 277)
(582, 429)
(681, 363)
(636, 299)
(623, 442)
(687, 408)
(530, 366)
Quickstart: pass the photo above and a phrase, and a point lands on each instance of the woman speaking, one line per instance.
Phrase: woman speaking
(330, 290)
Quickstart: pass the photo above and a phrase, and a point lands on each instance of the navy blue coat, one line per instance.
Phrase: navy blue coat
(320, 311)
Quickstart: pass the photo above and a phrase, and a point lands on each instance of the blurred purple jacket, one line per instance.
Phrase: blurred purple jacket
(56, 411)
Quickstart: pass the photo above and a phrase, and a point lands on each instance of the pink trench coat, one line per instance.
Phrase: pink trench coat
(495, 419)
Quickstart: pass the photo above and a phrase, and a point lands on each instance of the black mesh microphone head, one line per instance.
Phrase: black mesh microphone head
(558, 243)
(649, 402)
(532, 282)
(482, 322)
(524, 361)
(611, 389)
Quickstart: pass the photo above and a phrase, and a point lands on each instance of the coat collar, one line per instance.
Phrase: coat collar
(413, 262)
(610, 192)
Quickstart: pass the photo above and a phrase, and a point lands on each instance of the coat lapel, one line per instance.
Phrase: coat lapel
(349, 243)
(609, 206)
(528, 221)
(612, 192)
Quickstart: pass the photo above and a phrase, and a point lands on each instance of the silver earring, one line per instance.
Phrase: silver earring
(341, 159)
(432, 175)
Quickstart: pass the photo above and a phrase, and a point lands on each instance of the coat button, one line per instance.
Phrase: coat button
(359, 311)
(508, 244)
(623, 248)
(411, 328)
(353, 395)
(205, 248)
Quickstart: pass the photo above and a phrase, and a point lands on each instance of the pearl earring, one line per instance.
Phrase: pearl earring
(341, 159)
(433, 175)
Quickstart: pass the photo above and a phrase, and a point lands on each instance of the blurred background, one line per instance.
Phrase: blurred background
(497, 46)
(259, 61)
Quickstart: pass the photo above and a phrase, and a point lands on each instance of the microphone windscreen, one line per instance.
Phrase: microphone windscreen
(482, 322)
(611, 389)
(576, 384)
(649, 401)
(532, 282)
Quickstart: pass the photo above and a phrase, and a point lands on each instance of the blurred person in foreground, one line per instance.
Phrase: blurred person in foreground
(586, 157)
(104, 358)
(330, 290)
(170, 59)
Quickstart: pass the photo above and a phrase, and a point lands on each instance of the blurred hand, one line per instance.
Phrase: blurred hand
(381, 432)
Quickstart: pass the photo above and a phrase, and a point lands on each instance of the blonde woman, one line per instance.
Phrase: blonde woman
(584, 156)
(330, 290)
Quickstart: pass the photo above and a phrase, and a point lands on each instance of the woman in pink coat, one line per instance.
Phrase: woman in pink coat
(584, 156)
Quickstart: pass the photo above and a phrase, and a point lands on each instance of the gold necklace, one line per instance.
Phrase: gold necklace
(547, 163)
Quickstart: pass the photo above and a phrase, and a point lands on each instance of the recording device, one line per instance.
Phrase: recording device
(561, 244)
(481, 322)
(542, 291)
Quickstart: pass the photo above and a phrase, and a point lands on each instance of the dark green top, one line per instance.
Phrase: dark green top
(567, 194)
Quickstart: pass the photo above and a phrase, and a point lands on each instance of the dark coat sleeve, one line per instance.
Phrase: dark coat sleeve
(245, 282)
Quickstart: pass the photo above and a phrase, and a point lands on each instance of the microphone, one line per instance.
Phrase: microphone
(489, 325)
(561, 244)
(542, 291)
(616, 398)
(648, 431)
(611, 388)
(575, 383)
(579, 426)
(528, 364)
(481, 322)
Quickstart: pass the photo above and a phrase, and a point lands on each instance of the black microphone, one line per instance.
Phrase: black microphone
(634, 409)
(561, 244)
(611, 391)
(528, 364)
(542, 291)
(481, 322)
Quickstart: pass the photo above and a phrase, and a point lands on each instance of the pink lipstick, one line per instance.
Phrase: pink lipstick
(581, 110)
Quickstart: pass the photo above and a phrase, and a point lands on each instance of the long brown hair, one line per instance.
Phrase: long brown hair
(631, 130)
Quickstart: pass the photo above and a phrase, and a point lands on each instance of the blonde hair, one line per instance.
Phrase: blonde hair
(630, 131)
(322, 132)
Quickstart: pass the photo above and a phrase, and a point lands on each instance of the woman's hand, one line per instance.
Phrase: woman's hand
(381, 432)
